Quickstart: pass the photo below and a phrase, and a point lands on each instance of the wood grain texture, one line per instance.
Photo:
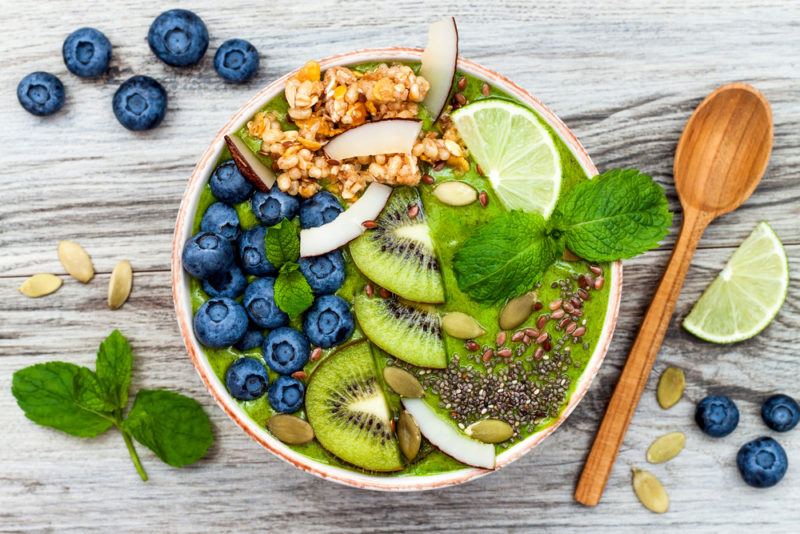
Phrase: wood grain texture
(623, 75)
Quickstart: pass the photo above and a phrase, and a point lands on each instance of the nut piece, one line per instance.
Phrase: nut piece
(666, 447)
(517, 311)
(650, 491)
(40, 285)
(119, 286)
(408, 435)
(461, 326)
(670, 387)
(290, 429)
(76, 261)
(490, 431)
(403, 383)
(455, 193)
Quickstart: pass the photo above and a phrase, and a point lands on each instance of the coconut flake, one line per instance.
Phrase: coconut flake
(389, 136)
(439, 63)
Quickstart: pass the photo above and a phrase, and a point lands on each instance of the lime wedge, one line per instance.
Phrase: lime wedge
(745, 297)
(514, 151)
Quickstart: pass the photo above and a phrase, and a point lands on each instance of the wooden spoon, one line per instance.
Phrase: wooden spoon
(720, 159)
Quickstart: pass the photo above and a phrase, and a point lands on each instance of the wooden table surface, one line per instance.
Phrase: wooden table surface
(623, 75)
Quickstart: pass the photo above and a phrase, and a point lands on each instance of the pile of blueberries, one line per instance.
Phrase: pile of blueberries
(177, 37)
(236, 274)
(762, 462)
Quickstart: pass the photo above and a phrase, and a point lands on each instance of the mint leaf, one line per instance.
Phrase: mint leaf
(63, 396)
(505, 257)
(113, 368)
(292, 293)
(282, 243)
(171, 425)
(618, 214)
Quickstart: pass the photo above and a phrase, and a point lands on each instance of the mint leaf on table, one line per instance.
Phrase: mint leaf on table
(618, 214)
(113, 367)
(505, 256)
(293, 295)
(63, 396)
(171, 425)
(282, 243)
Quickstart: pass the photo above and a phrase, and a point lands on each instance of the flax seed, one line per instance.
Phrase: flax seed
(580, 331)
(530, 332)
(413, 210)
(569, 308)
(596, 270)
(537, 305)
(598, 284)
(462, 83)
(558, 314)
(483, 198)
(385, 294)
(439, 166)
(541, 321)
(542, 337)
(369, 290)
(471, 346)
(564, 322)
(501, 338)
(461, 99)
(299, 375)
(556, 304)
(571, 327)
(505, 352)
(485, 89)
(518, 335)
(547, 345)
(487, 355)
(576, 302)
(428, 179)
(582, 293)
(316, 354)
(539, 353)
(526, 340)
(369, 224)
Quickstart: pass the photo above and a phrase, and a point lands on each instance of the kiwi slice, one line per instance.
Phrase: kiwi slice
(404, 330)
(348, 411)
(398, 254)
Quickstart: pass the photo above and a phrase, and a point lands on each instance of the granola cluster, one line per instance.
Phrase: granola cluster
(324, 106)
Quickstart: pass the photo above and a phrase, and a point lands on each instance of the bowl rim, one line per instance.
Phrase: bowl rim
(183, 310)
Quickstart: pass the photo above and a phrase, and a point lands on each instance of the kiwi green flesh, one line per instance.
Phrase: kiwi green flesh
(399, 255)
(407, 332)
(347, 409)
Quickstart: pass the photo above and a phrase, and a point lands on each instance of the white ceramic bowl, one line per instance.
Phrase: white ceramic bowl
(183, 308)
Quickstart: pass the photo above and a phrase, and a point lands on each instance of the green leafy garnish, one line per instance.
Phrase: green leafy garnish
(282, 243)
(85, 403)
(292, 293)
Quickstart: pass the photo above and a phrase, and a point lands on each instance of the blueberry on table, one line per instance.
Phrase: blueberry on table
(178, 37)
(140, 103)
(286, 350)
(253, 338)
(236, 60)
(228, 184)
(325, 274)
(320, 209)
(220, 322)
(329, 321)
(286, 394)
(762, 462)
(221, 219)
(781, 413)
(230, 283)
(717, 415)
(246, 379)
(252, 255)
(40, 93)
(207, 254)
(272, 207)
(259, 301)
(87, 52)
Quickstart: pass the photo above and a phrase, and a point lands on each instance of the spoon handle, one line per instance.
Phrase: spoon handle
(640, 361)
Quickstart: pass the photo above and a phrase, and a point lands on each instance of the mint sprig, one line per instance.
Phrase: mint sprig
(618, 214)
(85, 403)
(282, 245)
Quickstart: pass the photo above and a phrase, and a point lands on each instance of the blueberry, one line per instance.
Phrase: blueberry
(221, 219)
(251, 252)
(325, 274)
(246, 379)
(320, 209)
(286, 394)
(259, 301)
(87, 52)
(140, 103)
(40, 93)
(272, 207)
(329, 322)
(230, 283)
(781, 413)
(762, 462)
(220, 322)
(717, 416)
(286, 350)
(207, 254)
(253, 338)
(228, 184)
(236, 60)
(178, 37)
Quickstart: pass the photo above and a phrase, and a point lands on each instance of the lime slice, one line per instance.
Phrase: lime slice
(745, 297)
(514, 151)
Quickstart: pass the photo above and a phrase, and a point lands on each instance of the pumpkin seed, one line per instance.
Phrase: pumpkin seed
(650, 491)
(290, 429)
(456, 193)
(76, 261)
(490, 431)
(517, 311)
(40, 285)
(408, 435)
(461, 326)
(119, 286)
(670, 387)
(666, 447)
(403, 383)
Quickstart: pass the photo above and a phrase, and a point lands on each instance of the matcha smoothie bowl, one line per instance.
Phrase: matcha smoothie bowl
(353, 278)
